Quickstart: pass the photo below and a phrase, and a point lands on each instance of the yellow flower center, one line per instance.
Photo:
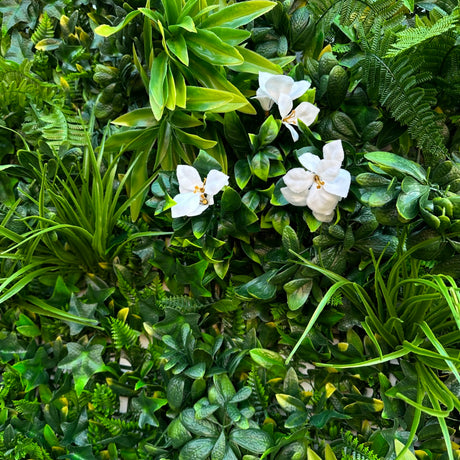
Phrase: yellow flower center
(201, 191)
(291, 118)
(318, 181)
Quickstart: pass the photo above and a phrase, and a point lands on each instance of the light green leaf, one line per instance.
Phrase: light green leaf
(106, 30)
(252, 439)
(178, 46)
(83, 362)
(193, 139)
(206, 99)
(255, 63)
(267, 358)
(138, 118)
(208, 46)
(238, 14)
(186, 24)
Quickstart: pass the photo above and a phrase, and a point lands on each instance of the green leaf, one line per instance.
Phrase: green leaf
(196, 426)
(186, 24)
(231, 36)
(14, 12)
(290, 403)
(260, 165)
(207, 99)
(290, 239)
(147, 406)
(211, 48)
(178, 46)
(242, 173)
(33, 371)
(197, 449)
(255, 63)
(50, 436)
(27, 327)
(298, 292)
(106, 30)
(193, 139)
(253, 440)
(259, 287)
(218, 452)
(172, 9)
(238, 14)
(175, 391)
(158, 73)
(83, 362)
(138, 118)
(320, 420)
(224, 386)
(267, 358)
(231, 200)
(396, 165)
(268, 131)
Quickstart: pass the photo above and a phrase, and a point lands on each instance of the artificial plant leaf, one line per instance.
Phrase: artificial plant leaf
(27, 327)
(242, 173)
(252, 439)
(33, 370)
(81, 309)
(255, 63)
(197, 449)
(267, 358)
(196, 426)
(138, 118)
(396, 165)
(298, 291)
(106, 30)
(83, 362)
(147, 406)
(208, 46)
(238, 14)
(14, 12)
(206, 99)
(178, 46)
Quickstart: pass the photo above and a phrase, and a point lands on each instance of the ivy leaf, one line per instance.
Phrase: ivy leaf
(33, 371)
(83, 362)
(14, 12)
(81, 309)
(147, 406)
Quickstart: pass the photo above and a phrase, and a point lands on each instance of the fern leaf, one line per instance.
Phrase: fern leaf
(353, 450)
(183, 304)
(410, 38)
(123, 335)
(258, 398)
(354, 12)
(44, 30)
(394, 83)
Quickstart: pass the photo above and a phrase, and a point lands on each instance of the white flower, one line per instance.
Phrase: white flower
(321, 185)
(279, 89)
(195, 195)
(305, 112)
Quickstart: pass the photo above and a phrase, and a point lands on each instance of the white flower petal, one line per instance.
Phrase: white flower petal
(284, 105)
(321, 202)
(298, 180)
(327, 170)
(310, 161)
(263, 78)
(294, 134)
(188, 178)
(334, 151)
(215, 181)
(306, 112)
(340, 185)
(323, 217)
(277, 85)
(299, 88)
(296, 199)
(187, 204)
(265, 102)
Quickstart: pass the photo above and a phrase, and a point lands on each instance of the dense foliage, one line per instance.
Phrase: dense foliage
(301, 301)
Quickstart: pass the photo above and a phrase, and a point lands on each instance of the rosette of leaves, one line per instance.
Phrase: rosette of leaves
(219, 425)
(399, 190)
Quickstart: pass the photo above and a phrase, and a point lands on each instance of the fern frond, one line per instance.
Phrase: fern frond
(258, 398)
(117, 426)
(412, 37)
(393, 81)
(123, 335)
(183, 304)
(354, 12)
(28, 409)
(353, 450)
(45, 29)
(104, 400)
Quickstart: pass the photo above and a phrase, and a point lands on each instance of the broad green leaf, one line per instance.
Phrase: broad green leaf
(231, 36)
(218, 452)
(241, 395)
(27, 327)
(224, 386)
(259, 287)
(138, 118)
(175, 391)
(242, 173)
(196, 426)
(238, 14)
(268, 131)
(172, 9)
(105, 30)
(397, 165)
(298, 292)
(197, 449)
(83, 362)
(33, 370)
(178, 433)
(14, 12)
(181, 89)
(231, 200)
(255, 63)
(267, 358)
(193, 139)
(211, 48)
(252, 439)
(290, 403)
(157, 84)
(260, 166)
(171, 94)
(206, 99)
(186, 24)
(178, 46)
(50, 436)
(48, 44)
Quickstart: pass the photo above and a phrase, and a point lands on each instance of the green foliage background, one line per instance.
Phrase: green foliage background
(251, 331)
